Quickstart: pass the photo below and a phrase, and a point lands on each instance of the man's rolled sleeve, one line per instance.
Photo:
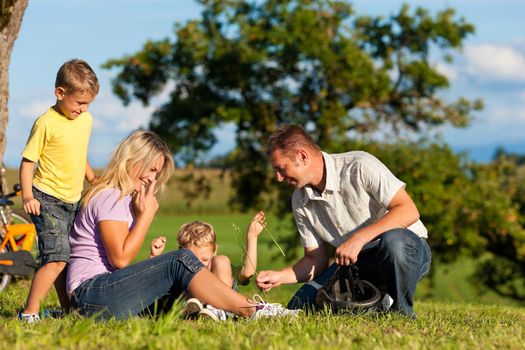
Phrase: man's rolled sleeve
(307, 233)
(380, 181)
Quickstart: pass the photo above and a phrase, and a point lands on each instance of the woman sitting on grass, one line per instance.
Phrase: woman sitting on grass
(109, 230)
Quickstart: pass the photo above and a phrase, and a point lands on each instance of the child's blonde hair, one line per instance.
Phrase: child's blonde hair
(197, 233)
(77, 76)
(140, 149)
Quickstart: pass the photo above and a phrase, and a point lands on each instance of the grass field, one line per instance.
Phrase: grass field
(440, 326)
(452, 315)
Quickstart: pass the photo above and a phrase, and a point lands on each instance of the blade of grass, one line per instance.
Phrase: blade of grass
(274, 241)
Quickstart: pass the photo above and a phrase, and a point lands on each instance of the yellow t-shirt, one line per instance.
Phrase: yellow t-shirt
(59, 145)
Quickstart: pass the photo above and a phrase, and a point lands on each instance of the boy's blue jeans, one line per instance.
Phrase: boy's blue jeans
(126, 292)
(394, 263)
(52, 226)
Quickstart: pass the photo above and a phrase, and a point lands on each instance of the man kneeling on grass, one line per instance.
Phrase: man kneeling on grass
(354, 203)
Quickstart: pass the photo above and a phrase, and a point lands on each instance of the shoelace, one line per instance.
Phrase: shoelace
(267, 307)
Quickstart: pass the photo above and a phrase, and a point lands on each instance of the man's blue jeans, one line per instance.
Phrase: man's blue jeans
(126, 292)
(394, 263)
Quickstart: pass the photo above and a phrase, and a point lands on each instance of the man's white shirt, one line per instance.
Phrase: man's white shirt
(358, 190)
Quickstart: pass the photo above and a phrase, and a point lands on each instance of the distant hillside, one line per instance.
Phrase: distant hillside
(173, 200)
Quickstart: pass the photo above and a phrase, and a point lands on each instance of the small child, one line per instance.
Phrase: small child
(58, 142)
(200, 238)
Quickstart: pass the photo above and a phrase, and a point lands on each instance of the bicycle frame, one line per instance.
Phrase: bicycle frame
(13, 231)
(16, 239)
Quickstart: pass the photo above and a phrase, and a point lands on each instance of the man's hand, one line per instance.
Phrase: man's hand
(157, 246)
(347, 252)
(266, 280)
(31, 206)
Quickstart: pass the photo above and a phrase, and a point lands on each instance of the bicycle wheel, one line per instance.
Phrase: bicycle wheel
(4, 278)
(20, 217)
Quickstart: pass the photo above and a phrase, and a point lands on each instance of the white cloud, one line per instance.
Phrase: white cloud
(107, 110)
(447, 70)
(514, 117)
(109, 113)
(495, 62)
(34, 109)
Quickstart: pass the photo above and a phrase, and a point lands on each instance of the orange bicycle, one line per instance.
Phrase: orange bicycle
(19, 247)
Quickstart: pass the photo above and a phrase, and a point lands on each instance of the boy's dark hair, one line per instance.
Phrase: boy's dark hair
(77, 76)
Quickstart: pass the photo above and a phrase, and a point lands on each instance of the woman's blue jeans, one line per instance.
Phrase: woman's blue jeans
(126, 292)
(394, 263)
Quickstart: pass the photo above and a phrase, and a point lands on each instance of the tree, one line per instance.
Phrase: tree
(260, 64)
(11, 14)
(497, 203)
(470, 209)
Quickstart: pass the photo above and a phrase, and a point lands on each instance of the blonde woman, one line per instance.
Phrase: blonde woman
(110, 228)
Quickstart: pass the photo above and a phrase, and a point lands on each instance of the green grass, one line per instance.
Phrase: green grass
(439, 326)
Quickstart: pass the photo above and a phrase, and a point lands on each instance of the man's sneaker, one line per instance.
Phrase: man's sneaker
(213, 313)
(386, 303)
(264, 309)
(29, 318)
(192, 308)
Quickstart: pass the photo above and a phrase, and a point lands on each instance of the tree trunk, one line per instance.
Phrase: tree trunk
(11, 14)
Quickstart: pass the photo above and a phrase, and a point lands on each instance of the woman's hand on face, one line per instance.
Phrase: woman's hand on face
(145, 202)
(157, 246)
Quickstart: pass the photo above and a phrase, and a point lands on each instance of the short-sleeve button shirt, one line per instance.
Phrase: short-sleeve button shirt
(358, 190)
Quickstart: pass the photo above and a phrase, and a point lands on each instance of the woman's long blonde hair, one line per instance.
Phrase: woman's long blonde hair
(142, 149)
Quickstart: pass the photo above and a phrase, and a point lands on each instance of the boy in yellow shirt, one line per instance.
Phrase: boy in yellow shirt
(58, 142)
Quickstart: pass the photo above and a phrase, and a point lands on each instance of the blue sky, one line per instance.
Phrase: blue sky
(490, 66)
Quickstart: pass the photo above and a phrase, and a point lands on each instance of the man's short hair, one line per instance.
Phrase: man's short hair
(289, 138)
(197, 233)
(77, 76)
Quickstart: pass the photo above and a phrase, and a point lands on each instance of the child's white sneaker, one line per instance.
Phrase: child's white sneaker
(264, 309)
(192, 308)
(213, 313)
(29, 318)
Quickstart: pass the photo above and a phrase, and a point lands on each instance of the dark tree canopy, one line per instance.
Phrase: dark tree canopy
(259, 64)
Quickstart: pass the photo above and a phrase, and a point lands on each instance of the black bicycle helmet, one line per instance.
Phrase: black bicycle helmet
(345, 291)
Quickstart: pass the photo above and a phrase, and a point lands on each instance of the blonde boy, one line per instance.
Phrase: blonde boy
(58, 142)
(200, 238)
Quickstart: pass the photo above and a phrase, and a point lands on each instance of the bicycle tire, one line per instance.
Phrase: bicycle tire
(5, 279)
(20, 217)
